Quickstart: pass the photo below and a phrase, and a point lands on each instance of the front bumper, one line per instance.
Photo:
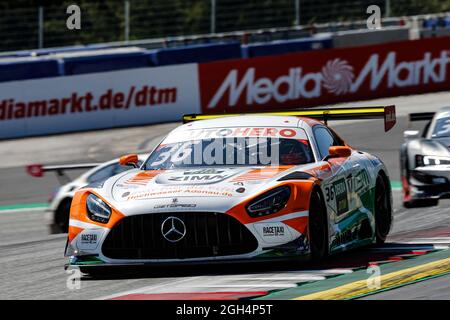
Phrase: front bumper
(431, 182)
(210, 238)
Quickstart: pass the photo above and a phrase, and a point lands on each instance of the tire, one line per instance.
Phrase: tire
(318, 228)
(62, 216)
(383, 211)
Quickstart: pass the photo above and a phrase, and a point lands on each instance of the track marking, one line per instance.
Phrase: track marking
(23, 207)
(304, 277)
(147, 289)
(396, 185)
(388, 281)
(262, 285)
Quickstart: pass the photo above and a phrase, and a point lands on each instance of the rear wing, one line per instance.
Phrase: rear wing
(323, 114)
(38, 170)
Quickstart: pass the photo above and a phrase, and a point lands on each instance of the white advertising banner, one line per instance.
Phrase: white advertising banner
(97, 101)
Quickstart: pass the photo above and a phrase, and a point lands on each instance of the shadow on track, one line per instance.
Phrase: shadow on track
(359, 258)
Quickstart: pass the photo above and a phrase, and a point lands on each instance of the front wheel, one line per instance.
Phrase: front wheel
(318, 227)
(383, 211)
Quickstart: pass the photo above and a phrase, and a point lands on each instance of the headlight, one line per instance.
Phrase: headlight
(435, 160)
(270, 202)
(97, 209)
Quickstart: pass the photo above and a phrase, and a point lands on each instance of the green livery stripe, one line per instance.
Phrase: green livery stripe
(24, 206)
(396, 185)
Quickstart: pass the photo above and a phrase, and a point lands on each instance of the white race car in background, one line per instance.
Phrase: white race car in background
(425, 160)
(60, 201)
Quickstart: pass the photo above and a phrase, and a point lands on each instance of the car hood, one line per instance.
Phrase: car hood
(216, 189)
(436, 147)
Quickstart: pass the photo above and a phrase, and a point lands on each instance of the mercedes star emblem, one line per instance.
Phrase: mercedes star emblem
(173, 229)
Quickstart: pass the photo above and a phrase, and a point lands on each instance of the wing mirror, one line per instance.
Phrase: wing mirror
(129, 160)
(411, 134)
(339, 152)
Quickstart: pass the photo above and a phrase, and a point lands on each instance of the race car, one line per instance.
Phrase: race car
(251, 187)
(425, 160)
(59, 203)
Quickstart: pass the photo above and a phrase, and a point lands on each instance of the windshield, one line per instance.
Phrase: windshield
(442, 128)
(231, 151)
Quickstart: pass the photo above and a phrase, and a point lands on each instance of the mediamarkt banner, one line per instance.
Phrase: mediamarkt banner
(96, 101)
(326, 76)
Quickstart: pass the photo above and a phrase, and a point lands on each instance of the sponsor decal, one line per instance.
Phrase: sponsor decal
(182, 191)
(361, 182)
(193, 177)
(92, 101)
(89, 239)
(346, 236)
(260, 174)
(327, 76)
(175, 205)
(273, 231)
(142, 178)
(340, 189)
(238, 132)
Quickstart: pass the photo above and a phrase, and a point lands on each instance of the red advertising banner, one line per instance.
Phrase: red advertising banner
(325, 76)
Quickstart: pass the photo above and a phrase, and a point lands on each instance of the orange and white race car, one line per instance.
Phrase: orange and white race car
(237, 187)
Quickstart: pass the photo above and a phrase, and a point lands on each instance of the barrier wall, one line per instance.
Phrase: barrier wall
(96, 101)
(325, 76)
(27, 68)
(160, 94)
(286, 46)
(364, 37)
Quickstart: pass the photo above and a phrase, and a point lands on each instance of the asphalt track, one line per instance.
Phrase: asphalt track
(31, 261)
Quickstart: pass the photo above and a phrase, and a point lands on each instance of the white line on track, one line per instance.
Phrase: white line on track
(149, 289)
(299, 277)
(245, 285)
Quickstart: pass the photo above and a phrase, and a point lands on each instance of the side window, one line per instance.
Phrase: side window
(119, 169)
(324, 140)
(109, 171)
(102, 174)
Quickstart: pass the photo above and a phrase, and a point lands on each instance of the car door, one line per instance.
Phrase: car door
(335, 187)
(337, 190)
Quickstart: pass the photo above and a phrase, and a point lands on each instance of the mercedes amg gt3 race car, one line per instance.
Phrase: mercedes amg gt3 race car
(237, 187)
(425, 160)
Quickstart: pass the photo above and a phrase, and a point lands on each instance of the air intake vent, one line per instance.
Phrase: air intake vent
(208, 234)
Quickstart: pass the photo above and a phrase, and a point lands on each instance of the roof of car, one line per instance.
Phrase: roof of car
(243, 121)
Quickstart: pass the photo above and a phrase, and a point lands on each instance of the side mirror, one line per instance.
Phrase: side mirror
(129, 160)
(339, 152)
(411, 134)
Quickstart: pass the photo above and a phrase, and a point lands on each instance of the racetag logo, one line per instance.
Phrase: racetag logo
(273, 231)
(335, 77)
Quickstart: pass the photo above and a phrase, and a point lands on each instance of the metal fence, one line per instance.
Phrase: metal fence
(127, 20)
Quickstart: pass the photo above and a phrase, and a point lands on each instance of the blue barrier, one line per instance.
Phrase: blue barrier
(197, 53)
(430, 23)
(69, 62)
(28, 69)
(106, 62)
(286, 46)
